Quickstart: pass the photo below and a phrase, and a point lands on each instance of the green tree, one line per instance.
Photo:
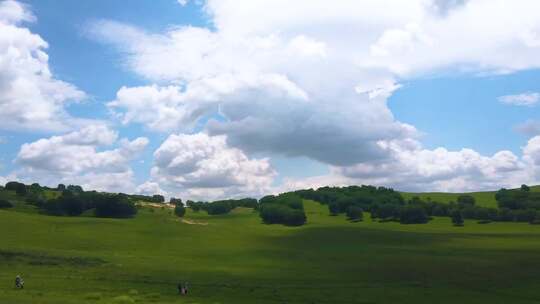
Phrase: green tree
(5, 204)
(413, 215)
(465, 200)
(355, 213)
(180, 210)
(457, 218)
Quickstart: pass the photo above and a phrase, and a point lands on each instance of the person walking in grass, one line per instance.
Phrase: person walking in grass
(180, 288)
(19, 282)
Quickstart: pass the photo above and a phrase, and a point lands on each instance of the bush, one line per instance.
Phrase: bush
(19, 188)
(333, 208)
(5, 204)
(457, 218)
(465, 200)
(413, 215)
(180, 210)
(276, 213)
(355, 213)
(527, 215)
(218, 207)
(114, 205)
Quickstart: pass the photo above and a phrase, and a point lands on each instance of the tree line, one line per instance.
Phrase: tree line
(74, 201)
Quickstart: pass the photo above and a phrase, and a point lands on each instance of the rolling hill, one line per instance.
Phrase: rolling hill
(234, 258)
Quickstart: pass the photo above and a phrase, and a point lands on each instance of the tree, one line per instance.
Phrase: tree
(465, 200)
(19, 188)
(457, 218)
(158, 198)
(114, 205)
(61, 187)
(176, 201)
(180, 210)
(413, 215)
(355, 213)
(525, 188)
(5, 204)
(333, 208)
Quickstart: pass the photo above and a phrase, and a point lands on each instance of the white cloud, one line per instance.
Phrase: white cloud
(413, 168)
(529, 128)
(76, 158)
(524, 99)
(30, 97)
(202, 166)
(317, 85)
(150, 188)
(183, 2)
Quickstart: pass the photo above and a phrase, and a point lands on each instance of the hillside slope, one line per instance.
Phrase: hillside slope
(483, 198)
(236, 259)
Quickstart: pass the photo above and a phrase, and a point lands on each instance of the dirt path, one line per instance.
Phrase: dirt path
(193, 222)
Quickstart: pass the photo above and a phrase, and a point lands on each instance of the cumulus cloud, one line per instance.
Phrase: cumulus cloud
(524, 99)
(414, 168)
(203, 166)
(317, 86)
(76, 158)
(30, 96)
(150, 188)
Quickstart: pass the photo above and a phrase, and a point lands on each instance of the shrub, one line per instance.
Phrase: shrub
(526, 215)
(180, 210)
(413, 215)
(457, 218)
(5, 204)
(465, 200)
(114, 205)
(276, 213)
(19, 188)
(355, 213)
(218, 207)
(333, 208)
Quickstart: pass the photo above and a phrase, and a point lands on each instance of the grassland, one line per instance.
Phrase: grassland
(484, 198)
(236, 259)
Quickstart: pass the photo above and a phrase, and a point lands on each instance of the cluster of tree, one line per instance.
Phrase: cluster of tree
(286, 209)
(104, 204)
(383, 203)
(5, 204)
(518, 199)
(19, 188)
(156, 198)
(222, 206)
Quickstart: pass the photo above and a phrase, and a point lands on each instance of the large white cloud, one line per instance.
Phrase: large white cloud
(202, 166)
(77, 157)
(30, 97)
(414, 168)
(305, 78)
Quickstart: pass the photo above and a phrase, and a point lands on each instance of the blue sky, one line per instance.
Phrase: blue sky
(230, 98)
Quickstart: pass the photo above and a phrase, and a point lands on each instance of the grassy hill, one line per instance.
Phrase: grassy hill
(235, 259)
(484, 199)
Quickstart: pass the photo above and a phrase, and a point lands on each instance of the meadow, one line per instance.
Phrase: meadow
(234, 258)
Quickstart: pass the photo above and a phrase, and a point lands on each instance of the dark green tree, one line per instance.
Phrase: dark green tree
(180, 210)
(355, 213)
(457, 218)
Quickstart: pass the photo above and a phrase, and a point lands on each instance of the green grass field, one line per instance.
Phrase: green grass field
(236, 259)
(484, 198)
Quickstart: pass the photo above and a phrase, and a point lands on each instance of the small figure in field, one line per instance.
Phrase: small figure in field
(19, 282)
(182, 288)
